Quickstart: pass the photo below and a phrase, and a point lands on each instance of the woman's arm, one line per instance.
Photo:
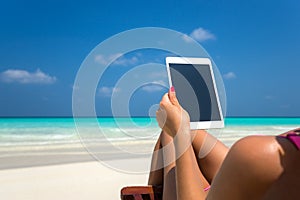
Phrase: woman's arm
(175, 121)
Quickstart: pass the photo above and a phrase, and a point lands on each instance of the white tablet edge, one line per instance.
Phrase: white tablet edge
(202, 61)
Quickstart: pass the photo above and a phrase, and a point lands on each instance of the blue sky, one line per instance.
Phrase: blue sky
(255, 45)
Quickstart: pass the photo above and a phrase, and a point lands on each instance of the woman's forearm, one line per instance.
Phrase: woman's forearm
(189, 185)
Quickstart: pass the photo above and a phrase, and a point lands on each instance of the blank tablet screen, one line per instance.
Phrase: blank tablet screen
(195, 91)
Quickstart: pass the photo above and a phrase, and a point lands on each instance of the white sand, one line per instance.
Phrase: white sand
(76, 181)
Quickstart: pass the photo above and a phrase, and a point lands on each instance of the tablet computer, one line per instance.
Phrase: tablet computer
(196, 90)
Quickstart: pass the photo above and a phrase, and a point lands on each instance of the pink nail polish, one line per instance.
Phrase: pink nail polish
(172, 89)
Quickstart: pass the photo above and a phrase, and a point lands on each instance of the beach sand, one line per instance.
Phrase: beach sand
(53, 172)
(49, 172)
(83, 180)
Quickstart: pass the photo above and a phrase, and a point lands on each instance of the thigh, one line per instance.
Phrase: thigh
(210, 153)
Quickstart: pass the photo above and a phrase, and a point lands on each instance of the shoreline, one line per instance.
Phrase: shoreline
(36, 154)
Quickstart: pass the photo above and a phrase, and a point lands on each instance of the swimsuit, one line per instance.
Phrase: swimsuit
(294, 138)
(207, 188)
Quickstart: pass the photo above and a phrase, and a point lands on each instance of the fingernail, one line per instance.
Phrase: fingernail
(172, 89)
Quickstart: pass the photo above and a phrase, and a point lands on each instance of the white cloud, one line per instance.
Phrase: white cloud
(25, 77)
(105, 60)
(200, 35)
(160, 82)
(155, 86)
(107, 91)
(229, 75)
(126, 61)
(269, 97)
(152, 88)
(117, 59)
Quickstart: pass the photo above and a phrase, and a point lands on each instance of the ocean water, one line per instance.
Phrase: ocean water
(41, 131)
(39, 141)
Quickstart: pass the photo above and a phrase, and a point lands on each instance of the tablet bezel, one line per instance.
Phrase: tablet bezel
(200, 61)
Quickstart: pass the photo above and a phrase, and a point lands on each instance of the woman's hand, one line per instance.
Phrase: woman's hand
(171, 117)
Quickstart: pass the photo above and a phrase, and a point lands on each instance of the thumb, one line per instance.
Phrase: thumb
(172, 96)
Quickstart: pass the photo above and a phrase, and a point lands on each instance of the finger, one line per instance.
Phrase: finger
(172, 96)
(165, 101)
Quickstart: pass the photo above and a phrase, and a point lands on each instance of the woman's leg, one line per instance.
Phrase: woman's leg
(163, 166)
(156, 169)
(210, 153)
(166, 176)
(169, 177)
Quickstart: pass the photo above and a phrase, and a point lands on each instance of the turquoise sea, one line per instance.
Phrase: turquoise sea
(36, 141)
(39, 131)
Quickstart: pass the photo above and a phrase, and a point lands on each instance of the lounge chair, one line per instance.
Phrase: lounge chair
(141, 193)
